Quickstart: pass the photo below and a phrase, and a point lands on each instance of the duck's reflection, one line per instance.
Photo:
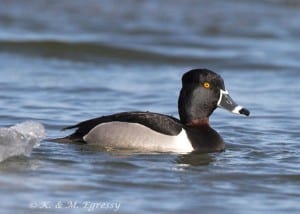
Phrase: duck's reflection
(195, 159)
(190, 159)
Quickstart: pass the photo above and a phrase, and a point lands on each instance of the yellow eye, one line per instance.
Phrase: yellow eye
(206, 85)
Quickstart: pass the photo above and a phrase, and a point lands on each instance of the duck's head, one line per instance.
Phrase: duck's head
(201, 93)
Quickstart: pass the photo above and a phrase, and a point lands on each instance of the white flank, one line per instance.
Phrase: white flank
(137, 136)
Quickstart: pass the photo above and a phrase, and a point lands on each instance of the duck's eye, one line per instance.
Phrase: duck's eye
(206, 85)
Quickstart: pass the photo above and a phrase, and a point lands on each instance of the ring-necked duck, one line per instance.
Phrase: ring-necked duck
(201, 93)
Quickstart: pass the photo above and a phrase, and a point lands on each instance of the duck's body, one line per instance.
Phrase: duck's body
(145, 131)
(201, 93)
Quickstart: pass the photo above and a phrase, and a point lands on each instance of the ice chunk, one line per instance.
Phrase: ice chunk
(20, 139)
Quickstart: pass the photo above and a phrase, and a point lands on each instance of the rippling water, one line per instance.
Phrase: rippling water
(66, 61)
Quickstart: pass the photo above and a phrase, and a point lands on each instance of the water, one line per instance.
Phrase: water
(19, 140)
(62, 62)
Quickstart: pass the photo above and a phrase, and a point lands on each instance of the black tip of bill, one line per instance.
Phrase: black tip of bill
(244, 111)
(241, 110)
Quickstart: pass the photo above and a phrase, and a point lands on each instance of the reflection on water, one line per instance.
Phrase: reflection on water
(195, 159)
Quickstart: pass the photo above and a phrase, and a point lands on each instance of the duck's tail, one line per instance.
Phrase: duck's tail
(67, 139)
(60, 140)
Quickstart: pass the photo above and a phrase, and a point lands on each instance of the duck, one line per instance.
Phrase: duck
(201, 93)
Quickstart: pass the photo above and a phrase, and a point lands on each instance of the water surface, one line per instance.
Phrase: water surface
(62, 62)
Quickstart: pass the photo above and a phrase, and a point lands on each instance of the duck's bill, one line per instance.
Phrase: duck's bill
(226, 102)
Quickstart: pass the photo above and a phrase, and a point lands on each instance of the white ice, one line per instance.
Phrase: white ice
(20, 139)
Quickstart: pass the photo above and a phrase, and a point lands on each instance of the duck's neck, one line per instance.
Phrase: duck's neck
(199, 122)
(203, 138)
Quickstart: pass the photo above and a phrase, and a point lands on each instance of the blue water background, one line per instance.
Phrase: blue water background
(62, 62)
